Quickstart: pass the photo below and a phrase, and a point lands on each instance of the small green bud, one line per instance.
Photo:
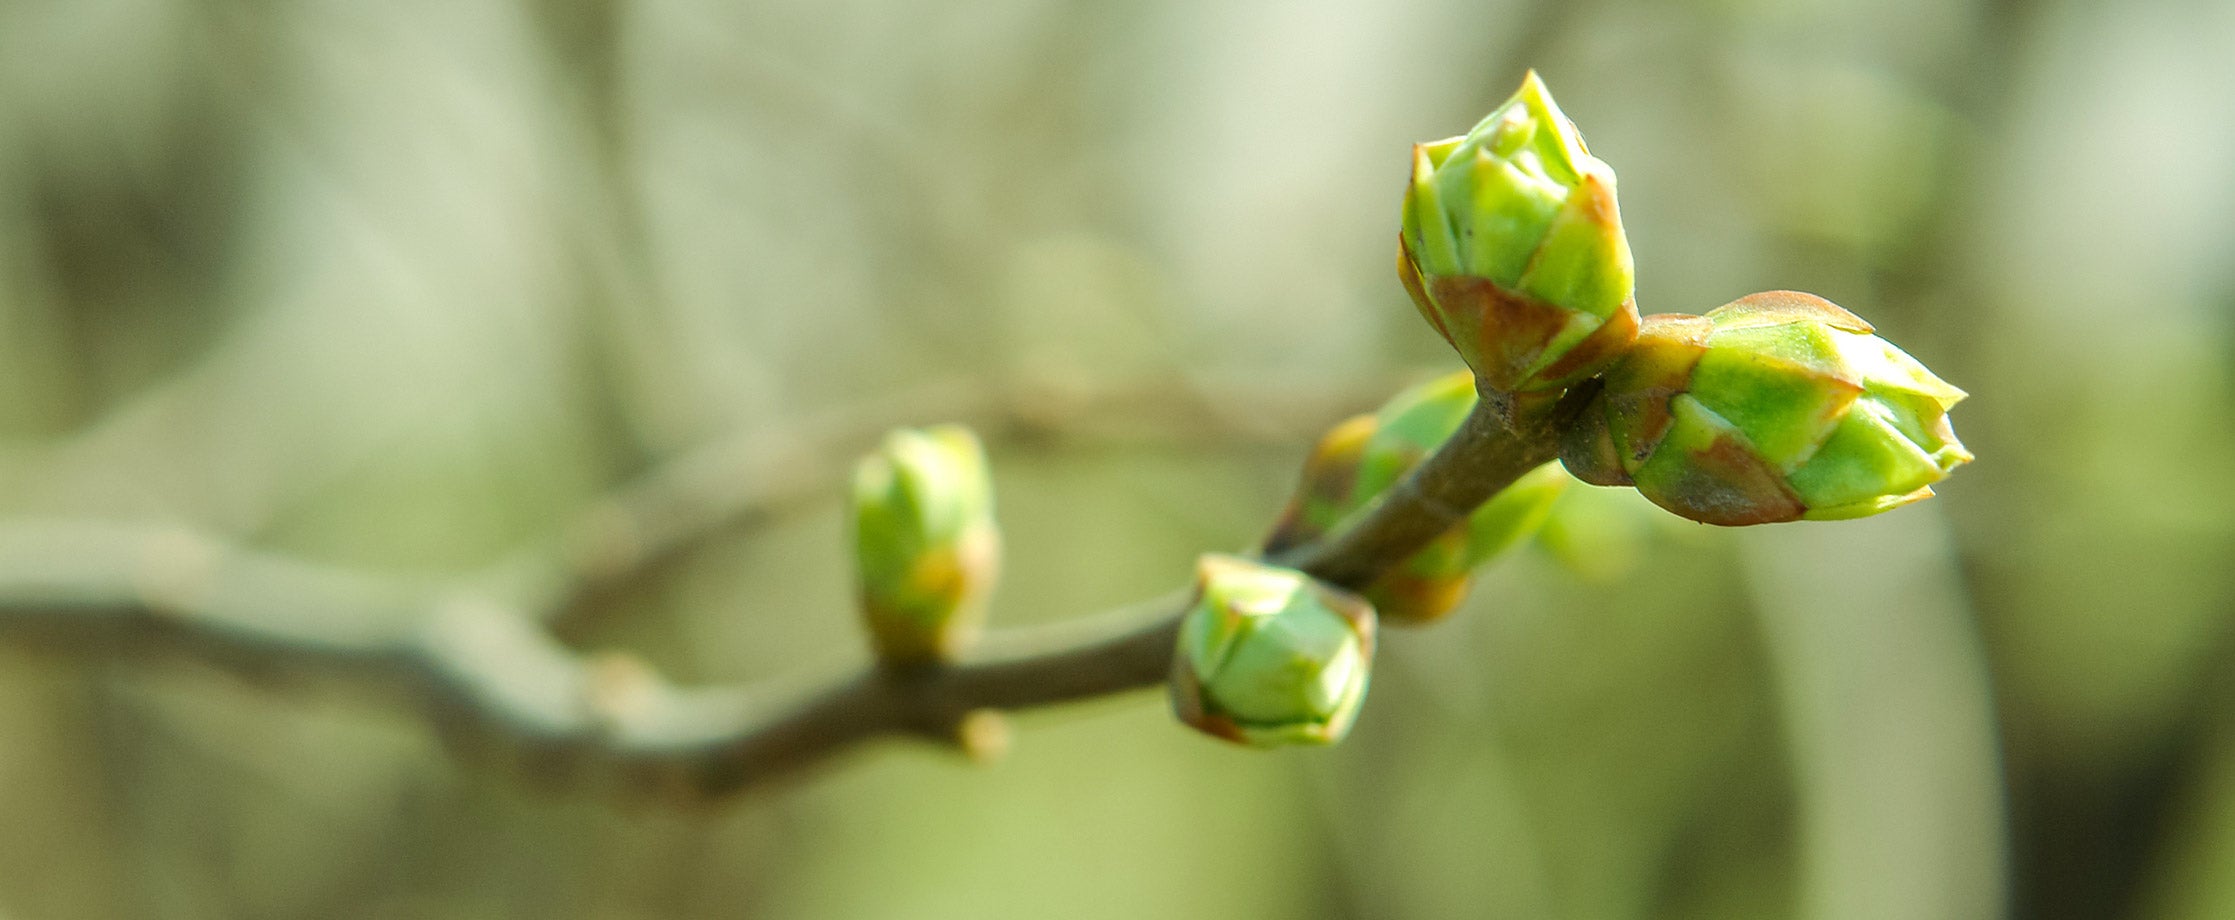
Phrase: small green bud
(1513, 249)
(1364, 456)
(926, 546)
(1268, 657)
(1778, 406)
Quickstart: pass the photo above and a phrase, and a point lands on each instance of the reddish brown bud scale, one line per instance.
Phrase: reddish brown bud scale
(1639, 389)
(1509, 334)
(1508, 331)
(1727, 484)
(1512, 248)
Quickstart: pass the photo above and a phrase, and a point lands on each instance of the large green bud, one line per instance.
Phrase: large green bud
(1267, 656)
(1363, 457)
(925, 543)
(1512, 248)
(1778, 406)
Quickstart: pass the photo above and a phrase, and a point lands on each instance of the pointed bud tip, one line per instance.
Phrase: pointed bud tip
(1535, 95)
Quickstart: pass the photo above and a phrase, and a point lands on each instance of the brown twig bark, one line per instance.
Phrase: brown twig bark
(487, 664)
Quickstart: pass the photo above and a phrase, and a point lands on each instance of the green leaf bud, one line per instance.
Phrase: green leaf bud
(1778, 406)
(926, 547)
(1512, 248)
(1268, 657)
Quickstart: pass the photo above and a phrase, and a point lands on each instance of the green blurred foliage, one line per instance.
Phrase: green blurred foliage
(402, 284)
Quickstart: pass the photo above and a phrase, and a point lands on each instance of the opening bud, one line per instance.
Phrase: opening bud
(1778, 406)
(1512, 248)
(926, 547)
(1268, 657)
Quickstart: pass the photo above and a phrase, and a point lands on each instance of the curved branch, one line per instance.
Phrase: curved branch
(496, 675)
(493, 670)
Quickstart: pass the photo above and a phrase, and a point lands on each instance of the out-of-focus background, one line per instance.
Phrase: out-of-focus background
(402, 286)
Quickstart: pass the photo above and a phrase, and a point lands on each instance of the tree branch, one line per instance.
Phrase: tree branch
(490, 669)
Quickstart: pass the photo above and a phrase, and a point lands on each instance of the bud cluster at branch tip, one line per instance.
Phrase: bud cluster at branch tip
(1268, 657)
(1363, 457)
(1512, 248)
(1778, 406)
(926, 547)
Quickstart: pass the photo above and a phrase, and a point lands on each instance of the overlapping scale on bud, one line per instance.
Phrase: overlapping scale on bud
(1778, 406)
(1513, 249)
(1268, 657)
(1364, 456)
(926, 547)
